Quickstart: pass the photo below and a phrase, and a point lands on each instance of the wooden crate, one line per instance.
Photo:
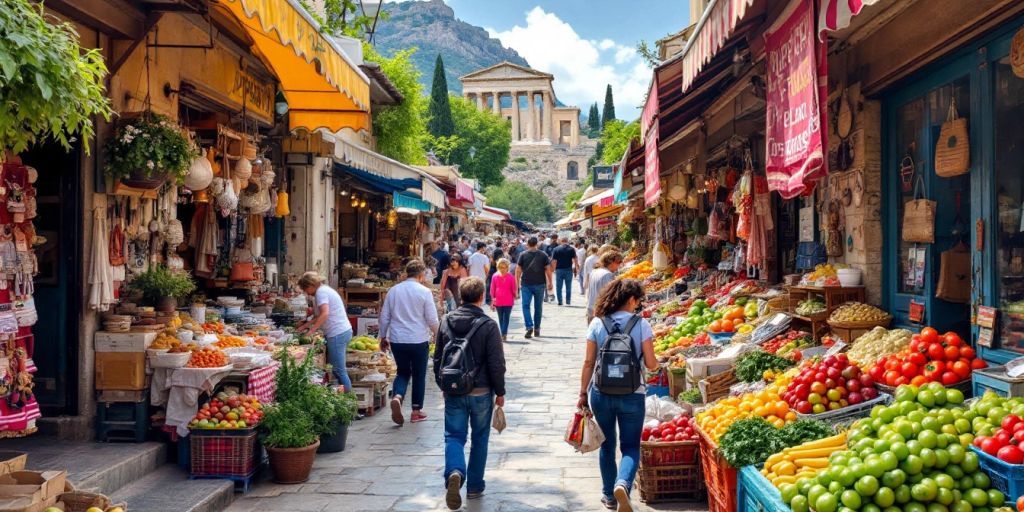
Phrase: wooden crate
(120, 370)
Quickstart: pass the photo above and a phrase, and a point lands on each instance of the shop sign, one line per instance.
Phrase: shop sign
(253, 93)
(652, 167)
(604, 177)
(796, 81)
(986, 317)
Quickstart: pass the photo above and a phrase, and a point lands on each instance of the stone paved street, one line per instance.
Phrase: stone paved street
(529, 466)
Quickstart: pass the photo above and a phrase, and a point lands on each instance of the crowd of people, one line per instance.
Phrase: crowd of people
(468, 357)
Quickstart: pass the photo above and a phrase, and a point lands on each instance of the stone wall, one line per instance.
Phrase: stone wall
(545, 168)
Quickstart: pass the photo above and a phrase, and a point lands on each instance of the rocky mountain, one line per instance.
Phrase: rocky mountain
(432, 27)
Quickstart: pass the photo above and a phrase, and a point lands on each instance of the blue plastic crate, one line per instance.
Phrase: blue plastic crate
(754, 493)
(1008, 478)
(657, 390)
(996, 380)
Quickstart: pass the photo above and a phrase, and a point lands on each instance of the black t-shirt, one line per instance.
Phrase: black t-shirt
(563, 256)
(533, 265)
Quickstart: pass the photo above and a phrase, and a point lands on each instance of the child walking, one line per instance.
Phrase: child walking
(503, 295)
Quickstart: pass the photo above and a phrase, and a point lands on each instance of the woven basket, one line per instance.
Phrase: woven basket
(292, 465)
(862, 325)
(79, 501)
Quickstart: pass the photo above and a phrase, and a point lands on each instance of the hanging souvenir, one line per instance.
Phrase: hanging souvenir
(919, 217)
(907, 172)
(200, 173)
(953, 149)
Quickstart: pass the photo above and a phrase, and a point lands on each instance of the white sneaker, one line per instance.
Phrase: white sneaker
(622, 497)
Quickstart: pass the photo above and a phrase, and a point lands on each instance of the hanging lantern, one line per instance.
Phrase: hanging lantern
(392, 219)
(362, 203)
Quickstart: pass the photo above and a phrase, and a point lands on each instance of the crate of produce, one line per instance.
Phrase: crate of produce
(756, 494)
(675, 453)
(224, 453)
(850, 412)
(1008, 478)
(717, 386)
(996, 380)
(719, 476)
(670, 483)
(676, 382)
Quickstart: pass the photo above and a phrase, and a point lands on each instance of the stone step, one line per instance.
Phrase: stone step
(168, 489)
(92, 466)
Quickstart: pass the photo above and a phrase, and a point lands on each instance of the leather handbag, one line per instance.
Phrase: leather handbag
(955, 275)
(243, 270)
(919, 217)
(953, 149)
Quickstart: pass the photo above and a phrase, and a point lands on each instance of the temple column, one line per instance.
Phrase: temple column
(479, 101)
(548, 113)
(516, 134)
(496, 107)
(531, 117)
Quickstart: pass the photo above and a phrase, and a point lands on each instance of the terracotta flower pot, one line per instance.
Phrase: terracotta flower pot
(292, 465)
(166, 304)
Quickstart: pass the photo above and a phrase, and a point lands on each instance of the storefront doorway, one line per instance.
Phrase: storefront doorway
(58, 286)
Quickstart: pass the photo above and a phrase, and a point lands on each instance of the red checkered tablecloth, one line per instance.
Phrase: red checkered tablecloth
(262, 383)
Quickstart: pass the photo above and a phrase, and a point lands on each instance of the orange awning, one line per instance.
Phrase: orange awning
(323, 88)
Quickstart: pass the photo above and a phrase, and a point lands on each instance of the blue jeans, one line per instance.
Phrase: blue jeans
(487, 289)
(626, 411)
(336, 347)
(411, 359)
(534, 292)
(463, 414)
(563, 276)
(504, 315)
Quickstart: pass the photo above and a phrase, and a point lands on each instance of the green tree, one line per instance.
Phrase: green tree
(523, 202)
(572, 198)
(440, 112)
(594, 122)
(479, 145)
(650, 55)
(615, 139)
(342, 17)
(49, 86)
(400, 129)
(608, 114)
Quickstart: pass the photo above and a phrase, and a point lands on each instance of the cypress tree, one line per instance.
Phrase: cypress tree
(440, 110)
(594, 121)
(609, 107)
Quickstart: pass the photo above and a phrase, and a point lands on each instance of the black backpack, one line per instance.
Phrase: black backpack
(458, 365)
(618, 367)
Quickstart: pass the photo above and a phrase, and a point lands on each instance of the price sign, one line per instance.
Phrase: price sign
(987, 317)
(916, 312)
(985, 337)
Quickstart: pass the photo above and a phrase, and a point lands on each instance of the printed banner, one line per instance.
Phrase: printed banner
(652, 167)
(797, 78)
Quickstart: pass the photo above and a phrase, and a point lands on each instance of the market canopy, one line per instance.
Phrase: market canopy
(607, 195)
(323, 87)
(835, 15)
(387, 174)
(406, 200)
(713, 29)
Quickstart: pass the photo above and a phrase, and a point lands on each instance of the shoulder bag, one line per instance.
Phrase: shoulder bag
(919, 217)
(953, 150)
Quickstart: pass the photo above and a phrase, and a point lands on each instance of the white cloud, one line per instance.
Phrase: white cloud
(581, 67)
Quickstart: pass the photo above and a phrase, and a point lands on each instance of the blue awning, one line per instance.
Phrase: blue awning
(407, 200)
(386, 185)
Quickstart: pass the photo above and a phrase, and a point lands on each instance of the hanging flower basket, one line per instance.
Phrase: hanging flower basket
(148, 150)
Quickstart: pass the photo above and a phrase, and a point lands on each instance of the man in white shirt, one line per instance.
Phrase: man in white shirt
(408, 320)
(479, 262)
(581, 257)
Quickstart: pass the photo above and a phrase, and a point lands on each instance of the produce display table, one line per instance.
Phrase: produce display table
(834, 296)
(178, 389)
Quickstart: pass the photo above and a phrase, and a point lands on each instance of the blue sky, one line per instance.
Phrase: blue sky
(585, 44)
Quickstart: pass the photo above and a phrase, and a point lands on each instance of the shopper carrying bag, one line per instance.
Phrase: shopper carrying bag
(620, 345)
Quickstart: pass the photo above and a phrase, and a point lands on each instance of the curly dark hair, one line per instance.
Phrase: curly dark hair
(616, 294)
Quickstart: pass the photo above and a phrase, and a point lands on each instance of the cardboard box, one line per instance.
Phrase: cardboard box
(30, 491)
(123, 341)
(120, 370)
(11, 461)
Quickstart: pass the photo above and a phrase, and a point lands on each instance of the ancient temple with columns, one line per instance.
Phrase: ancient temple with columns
(526, 98)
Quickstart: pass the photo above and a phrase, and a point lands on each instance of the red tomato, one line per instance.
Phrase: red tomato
(909, 370)
(990, 446)
(877, 372)
(936, 352)
(1009, 422)
(978, 364)
(967, 352)
(949, 378)
(917, 358)
(919, 380)
(645, 435)
(961, 368)
(952, 353)
(891, 376)
(953, 339)
(901, 380)
(892, 364)
(1020, 504)
(929, 335)
(933, 370)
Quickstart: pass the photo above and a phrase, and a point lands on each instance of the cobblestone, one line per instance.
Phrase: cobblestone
(529, 467)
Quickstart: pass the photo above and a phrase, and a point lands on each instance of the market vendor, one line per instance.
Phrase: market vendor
(331, 318)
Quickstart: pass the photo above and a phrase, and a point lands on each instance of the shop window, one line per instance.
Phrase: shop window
(572, 171)
(1009, 153)
(909, 124)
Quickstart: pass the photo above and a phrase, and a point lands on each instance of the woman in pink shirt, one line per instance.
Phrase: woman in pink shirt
(503, 295)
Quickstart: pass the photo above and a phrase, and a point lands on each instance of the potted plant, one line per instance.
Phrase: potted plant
(161, 287)
(291, 428)
(148, 150)
(344, 408)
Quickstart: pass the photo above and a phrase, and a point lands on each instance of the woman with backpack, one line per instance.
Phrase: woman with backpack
(619, 344)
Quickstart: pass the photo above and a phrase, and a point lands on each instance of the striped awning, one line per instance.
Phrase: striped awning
(713, 29)
(836, 14)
